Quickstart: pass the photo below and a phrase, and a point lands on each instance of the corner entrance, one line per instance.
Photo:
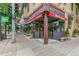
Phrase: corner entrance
(55, 28)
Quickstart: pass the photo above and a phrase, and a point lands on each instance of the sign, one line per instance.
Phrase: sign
(5, 19)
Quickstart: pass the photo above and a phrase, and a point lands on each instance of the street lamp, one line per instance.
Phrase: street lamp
(0, 24)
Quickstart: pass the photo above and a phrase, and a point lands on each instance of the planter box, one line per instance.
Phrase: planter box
(50, 35)
(54, 35)
(58, 35)
(41, 35)
(36, 34)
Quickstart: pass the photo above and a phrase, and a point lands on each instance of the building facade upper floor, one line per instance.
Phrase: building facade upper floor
(70, 8)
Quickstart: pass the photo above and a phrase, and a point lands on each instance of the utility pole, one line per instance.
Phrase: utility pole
(13, 24)
(0, 30)
(0, 26)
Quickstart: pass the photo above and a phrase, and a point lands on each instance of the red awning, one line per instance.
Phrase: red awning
(56, 16)
(34, 19)
(49, 14)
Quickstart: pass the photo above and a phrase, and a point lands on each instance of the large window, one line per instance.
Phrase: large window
(58, 26)
(72, 6)
(65, 4)
(28, 7)
(33, 3)
(76, 11)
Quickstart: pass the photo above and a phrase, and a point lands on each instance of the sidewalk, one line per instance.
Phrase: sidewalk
(25, 46)
(6, 48)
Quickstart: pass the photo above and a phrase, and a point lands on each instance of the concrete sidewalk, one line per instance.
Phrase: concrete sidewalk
(25, 46)
(6, 48)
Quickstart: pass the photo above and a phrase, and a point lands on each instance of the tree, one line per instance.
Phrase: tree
(6, 13)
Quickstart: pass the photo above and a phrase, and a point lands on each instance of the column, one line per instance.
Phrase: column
(45, 28)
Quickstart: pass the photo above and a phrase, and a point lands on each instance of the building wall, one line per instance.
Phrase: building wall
(33, 6)
(64, 6)
(74, 25)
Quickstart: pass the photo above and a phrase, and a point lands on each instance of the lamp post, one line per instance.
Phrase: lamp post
(0, 25)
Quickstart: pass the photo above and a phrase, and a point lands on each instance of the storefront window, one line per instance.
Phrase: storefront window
(58, 26)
